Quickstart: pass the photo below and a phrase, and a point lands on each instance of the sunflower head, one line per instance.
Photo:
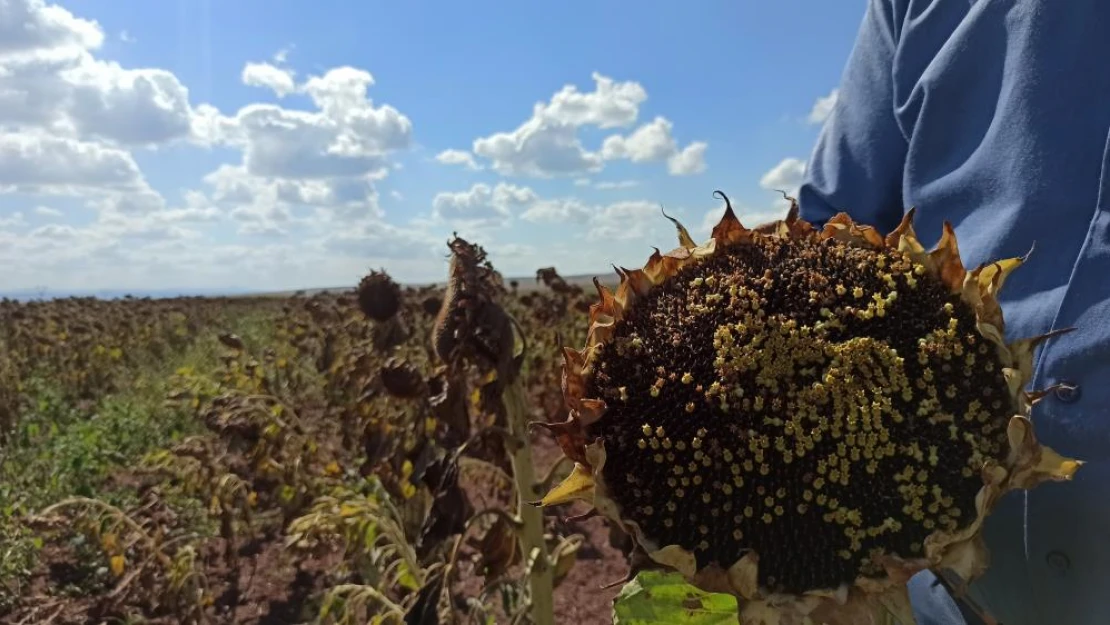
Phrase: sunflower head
(379, 297)
(804, 418)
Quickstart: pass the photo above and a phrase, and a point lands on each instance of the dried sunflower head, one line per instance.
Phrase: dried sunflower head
(803, 418)
(379, 297)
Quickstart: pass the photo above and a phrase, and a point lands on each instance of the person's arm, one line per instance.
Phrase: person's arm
(856, 166)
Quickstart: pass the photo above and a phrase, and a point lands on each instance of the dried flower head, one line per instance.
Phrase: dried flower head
(471, 324)
(379, 297)
(402, 379)
(803, 418)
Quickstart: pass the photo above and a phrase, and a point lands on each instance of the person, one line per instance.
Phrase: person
(994, 115)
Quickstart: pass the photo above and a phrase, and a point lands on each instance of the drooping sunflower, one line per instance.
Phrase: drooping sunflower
(379, 297)
(803, 418)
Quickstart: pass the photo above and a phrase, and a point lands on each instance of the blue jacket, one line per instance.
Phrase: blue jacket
(995, 115)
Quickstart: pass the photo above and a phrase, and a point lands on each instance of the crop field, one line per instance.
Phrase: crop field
(309, 458)
(782, 425)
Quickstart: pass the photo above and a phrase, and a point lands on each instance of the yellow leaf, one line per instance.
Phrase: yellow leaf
(117, 564)
(579, 485)
(333, 468)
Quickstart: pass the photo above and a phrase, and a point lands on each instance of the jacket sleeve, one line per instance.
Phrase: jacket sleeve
(857, 163)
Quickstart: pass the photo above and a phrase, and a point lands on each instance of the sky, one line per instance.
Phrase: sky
(201, 145)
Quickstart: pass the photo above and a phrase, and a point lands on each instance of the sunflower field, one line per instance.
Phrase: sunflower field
(778, 426)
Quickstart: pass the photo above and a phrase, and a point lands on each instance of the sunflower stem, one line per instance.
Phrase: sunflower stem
(540, 574)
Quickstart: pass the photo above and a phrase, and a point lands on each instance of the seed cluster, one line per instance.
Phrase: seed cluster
(817, 403)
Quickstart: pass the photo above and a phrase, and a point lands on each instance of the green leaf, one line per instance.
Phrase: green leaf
(663, 597)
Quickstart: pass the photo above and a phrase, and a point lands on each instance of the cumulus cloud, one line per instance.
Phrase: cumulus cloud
(385, 241)
(46, 211)
(304, 167)
(53, 82)
(691, 160)
(277, 79)
(481, 205)
(347, 136)
(822, 108)
(786, 176)
(12, 221)
(458, 157)
(615, 184)
(616, 221)
(27, 26)
(271, 206)
(649, 142)
(548, 143)
(540, 147)
(33, 162)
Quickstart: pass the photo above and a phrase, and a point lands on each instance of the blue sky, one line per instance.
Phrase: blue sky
(259, 145)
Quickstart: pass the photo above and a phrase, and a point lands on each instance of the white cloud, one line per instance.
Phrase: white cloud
(27, 26)
(548, 144)
(126, 37)
(54, 232)
(691, 160)
(539, 147)
(304, 169)
(615, 184)
(617, 221)
(277, 79)
(609, 105)
(269, 205)
(786, 176)
(566, 210)
(458, 157)
(823, 107)
(348, 136)
(12, 221)
(481, 205)
(624, 221)
(53, 82)
(649, 142)
(653, 142)
(386, 242)
(40, 163)
(46, 211)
